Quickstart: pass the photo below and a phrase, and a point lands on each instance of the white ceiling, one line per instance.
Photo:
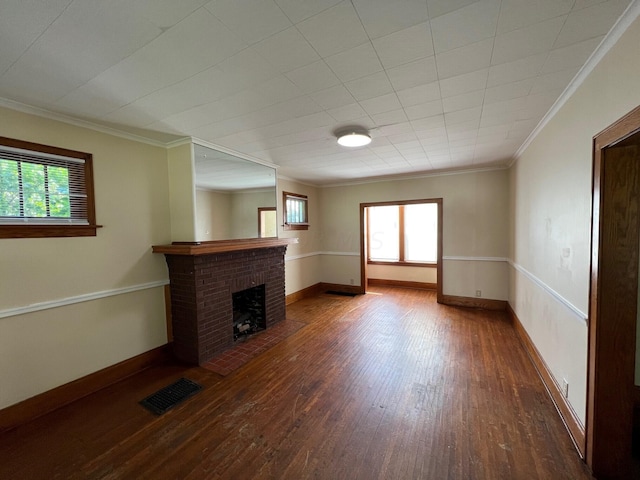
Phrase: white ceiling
(440, 84)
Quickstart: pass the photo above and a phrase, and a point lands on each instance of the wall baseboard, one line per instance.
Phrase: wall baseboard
(564, 409)
(402, 283)
(34, 407)
(338, 287)
(311, 291)
(320, 288)
(473, 302)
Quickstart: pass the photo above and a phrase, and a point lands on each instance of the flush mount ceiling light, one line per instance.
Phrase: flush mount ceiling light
(354, 138)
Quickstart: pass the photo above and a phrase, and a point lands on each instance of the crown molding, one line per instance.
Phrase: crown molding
(443, 173)
(77, 122)
(622, 24)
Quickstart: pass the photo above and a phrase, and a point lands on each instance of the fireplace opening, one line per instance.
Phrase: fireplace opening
(248, 312)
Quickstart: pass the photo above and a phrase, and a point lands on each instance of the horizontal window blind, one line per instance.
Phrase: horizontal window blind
(41, 188)
(296, 210)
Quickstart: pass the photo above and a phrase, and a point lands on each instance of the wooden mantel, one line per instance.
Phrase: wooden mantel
(220, 246)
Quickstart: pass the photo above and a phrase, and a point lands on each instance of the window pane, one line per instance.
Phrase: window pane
(384, 243)
(9, 189)
(421, 232)
(296, 210)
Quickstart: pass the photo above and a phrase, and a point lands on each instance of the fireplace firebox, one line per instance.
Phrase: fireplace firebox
(248, 312)
(206, 277)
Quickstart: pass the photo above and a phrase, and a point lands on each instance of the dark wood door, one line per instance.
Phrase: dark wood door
(614, 312)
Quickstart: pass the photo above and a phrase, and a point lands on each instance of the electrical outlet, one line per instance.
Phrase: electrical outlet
(478, 293)
(565, 388)
(351, 281)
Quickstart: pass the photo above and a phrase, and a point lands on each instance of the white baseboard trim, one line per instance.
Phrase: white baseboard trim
(87, 297)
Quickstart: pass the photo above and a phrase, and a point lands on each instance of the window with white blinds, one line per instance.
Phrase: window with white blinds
(296, 212)
(43, 186)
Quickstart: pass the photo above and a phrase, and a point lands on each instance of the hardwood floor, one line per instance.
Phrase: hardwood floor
(389, 385)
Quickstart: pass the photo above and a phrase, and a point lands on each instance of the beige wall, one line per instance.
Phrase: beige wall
(213, 215)
(244, 211)
(114, 277)
(475, 212)
(303, 259)
(404, 273)
(182, 193)
(550, 212)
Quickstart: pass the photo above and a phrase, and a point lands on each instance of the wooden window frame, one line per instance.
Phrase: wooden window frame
(53, 229)
(401, 262)
(298, 225)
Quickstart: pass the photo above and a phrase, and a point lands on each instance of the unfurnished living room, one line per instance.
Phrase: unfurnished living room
(290, 239)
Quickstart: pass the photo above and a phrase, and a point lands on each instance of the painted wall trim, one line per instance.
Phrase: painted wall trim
(626, 19)
(313, 254)
(563, 301)
(60, 117)
(475, 259)
(36, 307)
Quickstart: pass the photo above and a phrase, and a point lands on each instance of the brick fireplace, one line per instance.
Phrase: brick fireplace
(204, 276)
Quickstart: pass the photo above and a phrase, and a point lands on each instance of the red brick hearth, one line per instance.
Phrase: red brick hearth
(203, 278)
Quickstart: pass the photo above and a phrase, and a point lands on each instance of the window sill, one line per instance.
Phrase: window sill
(298, 226)
(403, 264)
(43, 231)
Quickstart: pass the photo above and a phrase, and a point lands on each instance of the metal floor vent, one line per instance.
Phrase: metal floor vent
(170, 396)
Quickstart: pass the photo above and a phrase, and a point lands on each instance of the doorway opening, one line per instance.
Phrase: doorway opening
(612, 391)
(401, 244)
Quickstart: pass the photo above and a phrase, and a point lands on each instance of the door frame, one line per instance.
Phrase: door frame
(605, 367)
(363, 241)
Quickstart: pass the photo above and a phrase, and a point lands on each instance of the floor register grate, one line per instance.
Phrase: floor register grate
(170, 396)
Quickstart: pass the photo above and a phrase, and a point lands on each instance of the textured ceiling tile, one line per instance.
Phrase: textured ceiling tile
(413, 74)
(516, 70)
(251, 20)
(526, 41)
(334, 30)
(572, 56)
(590, 22)
(515, 14)
(286, 50)
(404, 46)
(333, 97)
(420, 94)
(21, 23)
(382, 17)
(298, 10)
(464, 101)
(314, 77)
(465, 59)
(370, 86)
(508, 91)
(467, 25)
(442, 7)
(464, 83)
(384, 103)
(355, 63)
(422, 110)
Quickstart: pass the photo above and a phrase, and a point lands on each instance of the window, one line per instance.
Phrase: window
(403, 234)
(296, 213)
(45, 191)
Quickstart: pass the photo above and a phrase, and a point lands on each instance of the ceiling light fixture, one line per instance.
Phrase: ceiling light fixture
(353, 138)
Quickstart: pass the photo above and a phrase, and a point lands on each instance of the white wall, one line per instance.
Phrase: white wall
(550, 212)
(475, 214)
(42, 349)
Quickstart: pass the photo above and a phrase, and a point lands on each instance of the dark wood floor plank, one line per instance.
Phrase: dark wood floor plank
(389, 385)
